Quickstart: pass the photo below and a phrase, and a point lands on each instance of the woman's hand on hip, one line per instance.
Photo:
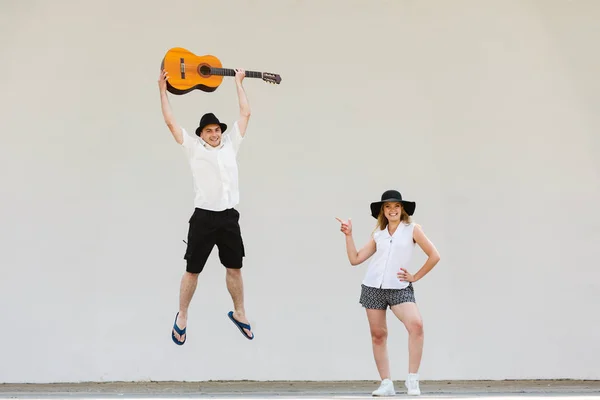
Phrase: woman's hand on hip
(406, 276)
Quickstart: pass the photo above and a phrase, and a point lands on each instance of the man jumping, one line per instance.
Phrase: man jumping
(212, 155)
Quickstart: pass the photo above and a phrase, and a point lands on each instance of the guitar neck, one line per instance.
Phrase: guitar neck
(231, 72)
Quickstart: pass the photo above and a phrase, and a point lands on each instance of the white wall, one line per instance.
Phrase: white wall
(485, 113)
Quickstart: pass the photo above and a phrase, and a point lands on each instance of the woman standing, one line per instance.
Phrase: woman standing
(387, 282)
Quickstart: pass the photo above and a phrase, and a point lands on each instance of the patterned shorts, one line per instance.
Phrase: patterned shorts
(380, 299)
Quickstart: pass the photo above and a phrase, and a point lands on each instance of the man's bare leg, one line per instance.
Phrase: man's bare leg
(189, 282)
(235, 285)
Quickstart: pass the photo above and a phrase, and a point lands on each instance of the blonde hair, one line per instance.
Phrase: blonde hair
(382, 221)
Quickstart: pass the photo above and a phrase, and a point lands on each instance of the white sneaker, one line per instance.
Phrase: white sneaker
(385, 389)
(412, 384)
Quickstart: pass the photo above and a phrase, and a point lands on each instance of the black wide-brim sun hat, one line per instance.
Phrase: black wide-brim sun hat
(392, 196)
(210, 119)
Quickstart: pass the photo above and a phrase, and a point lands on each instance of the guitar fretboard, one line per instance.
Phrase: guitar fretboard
(230, 72)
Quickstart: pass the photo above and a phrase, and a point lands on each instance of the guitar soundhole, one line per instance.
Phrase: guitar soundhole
(204, 70)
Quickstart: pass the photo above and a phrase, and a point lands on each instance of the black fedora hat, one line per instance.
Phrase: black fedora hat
(395, 196)
(210, 119)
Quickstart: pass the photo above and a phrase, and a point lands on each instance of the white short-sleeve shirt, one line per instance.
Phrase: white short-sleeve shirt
(393, 252)
(214, 170)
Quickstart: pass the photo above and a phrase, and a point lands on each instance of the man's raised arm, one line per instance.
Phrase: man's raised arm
(240, 74)
(166, 108)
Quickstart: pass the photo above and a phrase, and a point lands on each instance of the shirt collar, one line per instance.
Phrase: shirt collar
(386, 232)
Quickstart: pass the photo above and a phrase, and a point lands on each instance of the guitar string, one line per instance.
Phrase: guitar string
(224, 71)
(227, 70)
(249, 74)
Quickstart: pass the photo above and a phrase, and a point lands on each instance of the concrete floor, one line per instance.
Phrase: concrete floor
(498, 390)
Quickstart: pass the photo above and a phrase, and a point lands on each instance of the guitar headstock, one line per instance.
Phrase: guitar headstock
(271, 78)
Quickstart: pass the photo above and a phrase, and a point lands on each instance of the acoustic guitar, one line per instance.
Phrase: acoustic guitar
(188, 72)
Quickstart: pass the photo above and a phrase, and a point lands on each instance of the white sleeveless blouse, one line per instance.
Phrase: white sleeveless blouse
(393, 252)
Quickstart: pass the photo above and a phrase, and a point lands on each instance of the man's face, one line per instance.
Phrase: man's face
(211, 134)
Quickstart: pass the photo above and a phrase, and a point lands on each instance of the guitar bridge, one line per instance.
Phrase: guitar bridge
(182, 68)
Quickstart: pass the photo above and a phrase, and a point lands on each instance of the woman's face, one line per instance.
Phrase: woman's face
(392, 211)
